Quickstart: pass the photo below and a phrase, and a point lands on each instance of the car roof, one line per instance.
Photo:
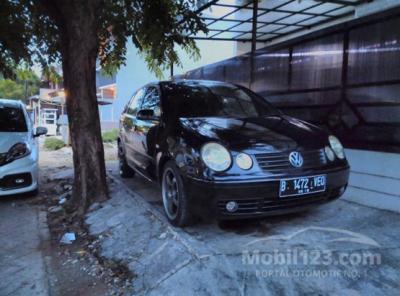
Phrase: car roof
(194, 82)
(10, 103)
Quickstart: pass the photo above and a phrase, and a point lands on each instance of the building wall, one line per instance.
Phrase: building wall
(374, 179)
(102, 80)
(128, 79)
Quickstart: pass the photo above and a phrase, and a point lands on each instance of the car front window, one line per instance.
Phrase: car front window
(12, 120)
(135, 102)
(216, 100)
(152, 101)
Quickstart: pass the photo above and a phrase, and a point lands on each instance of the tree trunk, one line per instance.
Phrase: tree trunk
(79, 41)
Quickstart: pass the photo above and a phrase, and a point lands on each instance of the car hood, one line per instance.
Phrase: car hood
(7, 140)
(274, 133)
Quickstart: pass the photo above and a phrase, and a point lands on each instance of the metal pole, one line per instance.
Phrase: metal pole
(253, 41)
(172, 70)
(39, 112)
(289, 81)
(254, 28)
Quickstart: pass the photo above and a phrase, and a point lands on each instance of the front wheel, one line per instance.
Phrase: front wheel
(175, 201)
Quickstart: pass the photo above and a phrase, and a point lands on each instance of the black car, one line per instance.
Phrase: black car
(218, 148)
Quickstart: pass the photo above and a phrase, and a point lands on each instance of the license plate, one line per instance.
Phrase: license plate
(302, 185)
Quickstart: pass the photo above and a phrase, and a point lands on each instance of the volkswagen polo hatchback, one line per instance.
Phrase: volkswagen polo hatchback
(220, 149)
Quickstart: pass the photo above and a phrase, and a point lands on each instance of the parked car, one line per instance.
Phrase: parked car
(18, 149)
(219, 148)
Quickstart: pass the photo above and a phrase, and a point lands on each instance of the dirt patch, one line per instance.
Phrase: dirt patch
(63, 156)
(76, 268)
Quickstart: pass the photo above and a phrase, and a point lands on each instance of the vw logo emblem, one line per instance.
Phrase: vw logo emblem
(296, 159)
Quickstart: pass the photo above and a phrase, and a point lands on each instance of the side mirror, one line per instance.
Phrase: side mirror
(146, 114)
(40, 130)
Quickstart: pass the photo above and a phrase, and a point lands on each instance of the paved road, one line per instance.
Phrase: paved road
(22, 229)
(340, 248)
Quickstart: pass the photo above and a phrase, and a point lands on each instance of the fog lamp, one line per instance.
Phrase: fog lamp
(231, 206)
(244, 161)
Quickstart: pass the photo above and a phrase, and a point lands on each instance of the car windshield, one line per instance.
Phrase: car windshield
(12, 119)
(215, 100)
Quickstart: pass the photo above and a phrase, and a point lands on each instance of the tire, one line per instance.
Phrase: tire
(124, 170)
(175, 201)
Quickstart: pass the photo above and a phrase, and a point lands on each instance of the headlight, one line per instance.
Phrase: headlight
(216, 157)
(19, 150)
(244, 161)
(336, 147)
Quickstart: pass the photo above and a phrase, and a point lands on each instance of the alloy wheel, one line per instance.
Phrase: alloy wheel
(170, 193)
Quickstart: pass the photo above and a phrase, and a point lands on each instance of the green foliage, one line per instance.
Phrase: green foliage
(110, 136)
(156, 27)
(51, 75)
(10, 89)
(53, 144)
(26, 83)
(15, 36)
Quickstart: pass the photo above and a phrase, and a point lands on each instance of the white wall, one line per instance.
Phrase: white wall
(374, 179)
(210, 51)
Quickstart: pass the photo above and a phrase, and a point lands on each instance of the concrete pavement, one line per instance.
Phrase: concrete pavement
(22, 229)
(341, 247)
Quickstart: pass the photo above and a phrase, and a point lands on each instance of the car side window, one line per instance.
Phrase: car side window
(151, 101)
(133, 107)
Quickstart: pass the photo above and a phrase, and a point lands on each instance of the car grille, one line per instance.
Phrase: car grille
(278, 162)
(265, 205)
(10, 181)
(3, 157)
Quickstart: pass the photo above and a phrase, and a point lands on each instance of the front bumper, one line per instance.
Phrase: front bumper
(12, 174)
(259, 198)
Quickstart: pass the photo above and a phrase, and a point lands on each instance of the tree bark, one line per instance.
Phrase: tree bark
(77, 22)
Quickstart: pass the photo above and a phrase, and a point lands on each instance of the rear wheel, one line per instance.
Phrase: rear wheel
(175, 201)
(124, 170)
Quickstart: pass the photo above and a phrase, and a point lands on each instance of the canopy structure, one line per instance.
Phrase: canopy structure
(263, 21)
